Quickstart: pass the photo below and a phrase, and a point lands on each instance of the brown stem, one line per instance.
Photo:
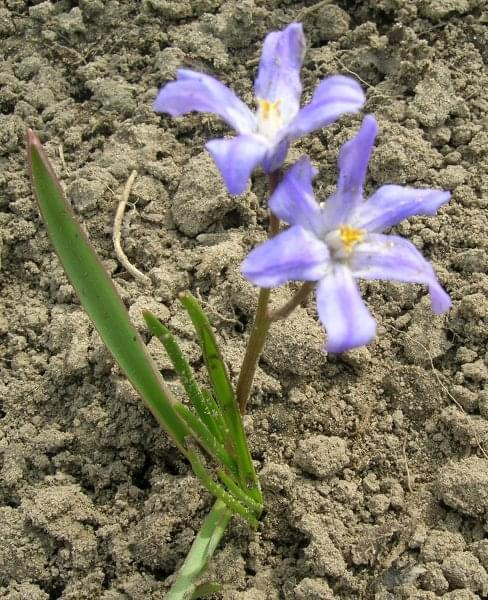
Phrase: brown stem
(274, 222)
(254, 348)
(261, 323)
(298, 298)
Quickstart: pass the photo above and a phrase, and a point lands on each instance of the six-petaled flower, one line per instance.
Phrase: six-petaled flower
(264, 135)
(342, 240)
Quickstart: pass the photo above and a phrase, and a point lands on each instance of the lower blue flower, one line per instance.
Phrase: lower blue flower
(342, 241)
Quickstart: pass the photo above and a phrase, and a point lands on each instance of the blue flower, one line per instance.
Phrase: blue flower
(342, 241)
(265, 135)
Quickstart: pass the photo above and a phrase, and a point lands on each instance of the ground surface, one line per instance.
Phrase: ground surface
(373, 463)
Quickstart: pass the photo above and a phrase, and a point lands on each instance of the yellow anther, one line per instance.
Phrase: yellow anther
(350, 236)
(269, 108)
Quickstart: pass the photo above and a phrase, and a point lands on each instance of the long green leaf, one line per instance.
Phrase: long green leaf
(204, 590)
(224, 395)
(218, 491)
(214, 409)
(206, 439)
(184, 371)
(98, 294)
(202, 549)
(238, 493)
(211, 354)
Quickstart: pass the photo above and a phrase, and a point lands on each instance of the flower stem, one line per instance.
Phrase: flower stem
(261, 323)
(298, 298)
(253, 351)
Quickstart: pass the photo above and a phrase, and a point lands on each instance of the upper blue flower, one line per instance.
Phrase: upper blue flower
(264, 135)
(340, 241)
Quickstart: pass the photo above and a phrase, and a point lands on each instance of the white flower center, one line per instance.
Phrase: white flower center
(269, 118)
(342, 241)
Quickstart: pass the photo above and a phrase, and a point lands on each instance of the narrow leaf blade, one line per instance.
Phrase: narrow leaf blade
(211, 353)
(206, 439)
(98, 294)
(184, 371)
(238, 493)
(218, 491)
(214, 409)
(204, 590)
(224, 395)
(202, 549)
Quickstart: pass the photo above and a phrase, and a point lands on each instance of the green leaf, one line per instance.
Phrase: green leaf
(224, 395)
(211, 354)
(184, 371)
(239, 494)
(206, 439)
(204, 590)
(214, 409)
(202, 549)
(107, 311)
(218, 491)
(98, 294)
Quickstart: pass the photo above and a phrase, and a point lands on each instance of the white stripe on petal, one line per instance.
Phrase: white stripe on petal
(341, 309)
(200, 92)
(293, 200)
(293, 255)
(390, 257)
(236, 158)
(390, 204)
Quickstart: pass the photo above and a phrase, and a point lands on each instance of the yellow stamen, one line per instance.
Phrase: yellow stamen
(268, 108)
(350, 236)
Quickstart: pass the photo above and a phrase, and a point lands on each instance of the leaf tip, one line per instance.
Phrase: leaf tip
(32, 139)
(36, 154)
(147, 315)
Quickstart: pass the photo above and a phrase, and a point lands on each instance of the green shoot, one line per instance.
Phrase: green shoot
(224, 395)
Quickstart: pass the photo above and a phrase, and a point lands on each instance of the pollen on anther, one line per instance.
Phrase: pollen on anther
(268, 108)
(350, 236)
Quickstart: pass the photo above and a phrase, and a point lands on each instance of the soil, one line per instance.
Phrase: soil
(374, 464)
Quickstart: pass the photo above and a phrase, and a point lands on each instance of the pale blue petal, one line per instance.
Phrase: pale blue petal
(394, 258)
(202, 93)
(390, 204)
(236, 158)
(341, 309)
(293, 200)
(279, 69)
(293, 255)
(354, 158)
(333, 97)
(276, 155)
(353, 164)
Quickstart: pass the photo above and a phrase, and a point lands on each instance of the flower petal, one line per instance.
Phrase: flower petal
(278, 76)
(293, 200)
(200, 92)
(236, 158)
(395, 258)
(294, 254)
(276, 155)
(333, 97)
(341, 309)
(390, 204)
(353, 164)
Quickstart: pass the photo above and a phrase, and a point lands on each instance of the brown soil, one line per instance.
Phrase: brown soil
(372, 463)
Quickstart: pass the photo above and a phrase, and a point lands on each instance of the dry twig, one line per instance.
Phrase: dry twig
(116, 236)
